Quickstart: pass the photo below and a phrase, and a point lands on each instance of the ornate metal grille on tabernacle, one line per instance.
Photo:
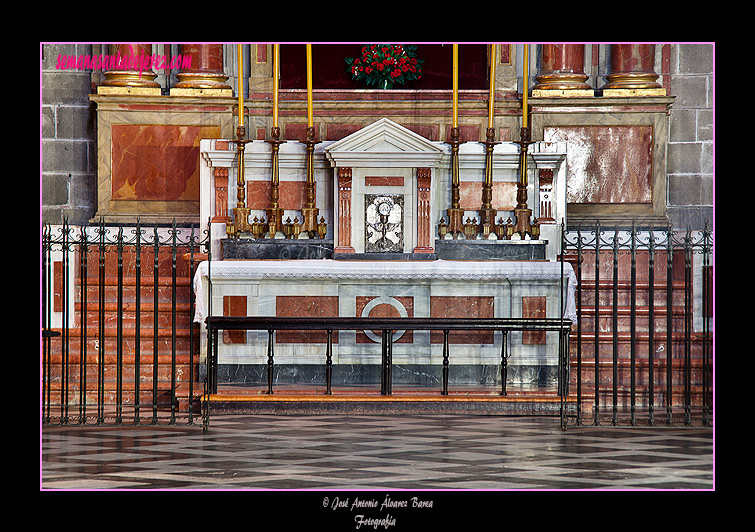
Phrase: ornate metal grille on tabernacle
(383, 223)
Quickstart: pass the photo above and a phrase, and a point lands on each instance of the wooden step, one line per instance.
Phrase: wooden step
(343, 402)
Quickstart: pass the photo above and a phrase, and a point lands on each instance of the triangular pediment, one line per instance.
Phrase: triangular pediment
(384, 143)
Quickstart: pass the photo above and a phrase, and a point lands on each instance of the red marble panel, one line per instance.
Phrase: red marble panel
(291, 194)
(234, 306)
(505, 52)
(450, 307)
(533, 307)
(58, 282)
(157, 162)
(470, 195)
(261, 53)
(466, 133)
(430, 132)
(305, 307)
(339, 131)
(607, 164)
(424, 223)
(384, 310)
(298, 131)
(389, 181)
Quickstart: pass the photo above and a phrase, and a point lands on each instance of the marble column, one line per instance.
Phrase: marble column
(562, 71)
(206, 75)
(132, 74)
(632, 71)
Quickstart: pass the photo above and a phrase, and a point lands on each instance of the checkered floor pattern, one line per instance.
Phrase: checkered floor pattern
(429, 452)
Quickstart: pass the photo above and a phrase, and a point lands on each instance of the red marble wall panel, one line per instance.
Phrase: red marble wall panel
(607, 164)
(305, 307)
(533, 307)
(292, 194)
(261, 53)
(462, 307)
(157, 162)
(384, 310)
(505, 53)
(298, 131)
(466, 133)
(234, 306)
(430, 132)
(339, 131)
(470, 195)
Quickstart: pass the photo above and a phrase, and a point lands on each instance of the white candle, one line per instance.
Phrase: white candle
(456, 85)
(525, 77)
(241, 86)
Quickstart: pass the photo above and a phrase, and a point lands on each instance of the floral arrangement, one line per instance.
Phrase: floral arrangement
(383, 65)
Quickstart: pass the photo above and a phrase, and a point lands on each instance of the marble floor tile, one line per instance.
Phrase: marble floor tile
(356, 453)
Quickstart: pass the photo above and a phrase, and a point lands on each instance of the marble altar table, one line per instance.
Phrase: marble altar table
(443, 289)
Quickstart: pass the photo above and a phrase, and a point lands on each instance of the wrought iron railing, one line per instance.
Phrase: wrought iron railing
(643, 342)
(640, 352)
(102, 288)
(388, 326)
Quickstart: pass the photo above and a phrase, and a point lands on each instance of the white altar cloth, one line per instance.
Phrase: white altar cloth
(328, 269)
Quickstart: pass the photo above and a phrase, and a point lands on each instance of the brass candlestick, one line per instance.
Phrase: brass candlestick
(455, 213)
(487, 213)
(522, 212)
(274, 212)
(241, 212)
(310, 212)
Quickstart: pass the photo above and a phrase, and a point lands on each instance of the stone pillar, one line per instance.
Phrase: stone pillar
(130, 73)
(562, 71)
(206, 75)
(633, 71)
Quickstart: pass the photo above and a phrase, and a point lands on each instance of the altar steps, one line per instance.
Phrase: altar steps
(292, 400)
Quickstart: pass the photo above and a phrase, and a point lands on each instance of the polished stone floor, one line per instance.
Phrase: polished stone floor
(398, 452)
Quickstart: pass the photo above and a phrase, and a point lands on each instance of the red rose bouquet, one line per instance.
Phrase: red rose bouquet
(383, 65)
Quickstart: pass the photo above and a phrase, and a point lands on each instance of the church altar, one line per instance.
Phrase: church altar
(385, 247)
(442, 289)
